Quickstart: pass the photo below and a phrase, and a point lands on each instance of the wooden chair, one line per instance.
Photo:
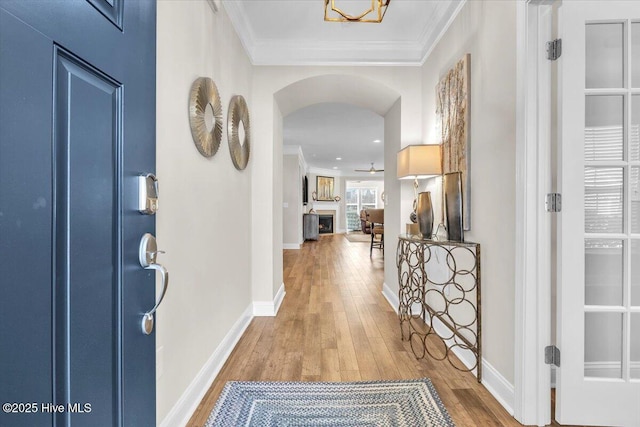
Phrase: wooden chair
(376, 218)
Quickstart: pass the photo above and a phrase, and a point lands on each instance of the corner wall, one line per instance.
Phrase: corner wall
(486, 30)
(204, 218)
(292, 201)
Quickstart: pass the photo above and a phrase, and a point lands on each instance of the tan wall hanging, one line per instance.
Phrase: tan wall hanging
(238, 116)
(205, 93)
(453, 112)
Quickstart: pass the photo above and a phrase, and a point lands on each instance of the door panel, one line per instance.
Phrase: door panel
(600, 222)
(111, 9)
(78, 127)
(87, 111)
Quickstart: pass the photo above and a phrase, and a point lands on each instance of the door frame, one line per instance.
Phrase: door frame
(532, 377)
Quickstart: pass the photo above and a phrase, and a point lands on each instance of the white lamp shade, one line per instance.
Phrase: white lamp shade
(419, 161)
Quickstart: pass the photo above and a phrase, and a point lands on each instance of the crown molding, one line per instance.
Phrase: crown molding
(240, 23)
(268, 52)
(431, 40)
(275, 52)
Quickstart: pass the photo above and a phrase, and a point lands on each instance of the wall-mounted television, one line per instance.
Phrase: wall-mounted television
(305, 190)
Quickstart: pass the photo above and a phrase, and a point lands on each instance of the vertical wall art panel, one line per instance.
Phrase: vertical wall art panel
(453, 116)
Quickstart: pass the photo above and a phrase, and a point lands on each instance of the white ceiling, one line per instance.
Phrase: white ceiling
(293, 32)
(329, 130)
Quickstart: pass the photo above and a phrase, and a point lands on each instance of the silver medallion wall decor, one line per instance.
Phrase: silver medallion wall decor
(205, 93)
(237, 116)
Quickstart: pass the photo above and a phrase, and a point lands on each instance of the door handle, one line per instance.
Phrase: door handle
(148, 254)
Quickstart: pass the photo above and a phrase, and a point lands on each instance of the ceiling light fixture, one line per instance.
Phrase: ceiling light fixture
(374, 14)
(338, 158)
(377, 141)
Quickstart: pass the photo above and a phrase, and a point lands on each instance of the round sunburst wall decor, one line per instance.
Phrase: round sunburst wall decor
(204, 93)
(237, 122)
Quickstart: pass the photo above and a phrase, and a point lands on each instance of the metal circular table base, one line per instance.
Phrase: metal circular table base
(237, 116)
(205, 93)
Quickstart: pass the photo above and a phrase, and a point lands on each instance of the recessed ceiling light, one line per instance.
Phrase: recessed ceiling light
(335, 167)
(338, 158)
(377, 141)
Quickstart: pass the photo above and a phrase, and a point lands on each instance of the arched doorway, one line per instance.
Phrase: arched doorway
(294, 94)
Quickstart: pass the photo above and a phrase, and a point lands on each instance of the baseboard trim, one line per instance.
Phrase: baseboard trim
(492, 380)
(498, 386)
(391, 297)
(269, 308)
(294, 246)
(190, 399)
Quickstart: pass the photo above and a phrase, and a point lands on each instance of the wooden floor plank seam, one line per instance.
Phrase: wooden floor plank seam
(335, 325)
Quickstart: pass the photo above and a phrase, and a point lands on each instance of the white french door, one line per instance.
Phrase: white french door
(598, 382)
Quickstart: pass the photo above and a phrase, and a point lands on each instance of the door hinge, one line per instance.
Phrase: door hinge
(552, 355)
(554, 49)
(553, 202)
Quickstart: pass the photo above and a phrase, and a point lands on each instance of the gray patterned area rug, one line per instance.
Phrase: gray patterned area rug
(409, 403)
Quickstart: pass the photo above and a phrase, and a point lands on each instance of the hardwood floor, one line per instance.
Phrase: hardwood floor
(335, 325)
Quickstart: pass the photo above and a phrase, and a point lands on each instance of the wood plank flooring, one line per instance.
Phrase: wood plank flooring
(335, 325)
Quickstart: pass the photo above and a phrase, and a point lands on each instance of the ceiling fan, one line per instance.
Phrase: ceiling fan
(371, 170)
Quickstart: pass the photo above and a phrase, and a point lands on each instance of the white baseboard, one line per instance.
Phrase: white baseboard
(291, 246)
(498, 386)
(391, 297)
(492, 380)
(190, 399)
(269, 308)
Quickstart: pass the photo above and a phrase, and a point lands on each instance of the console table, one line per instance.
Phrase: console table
(439, 297)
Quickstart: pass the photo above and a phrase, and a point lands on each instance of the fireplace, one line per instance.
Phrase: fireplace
(325, 224)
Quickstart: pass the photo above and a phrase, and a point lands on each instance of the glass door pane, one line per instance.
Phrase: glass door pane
(610, 183)
(603, 272)
(603, 345)
(605, 55)
(635, 54)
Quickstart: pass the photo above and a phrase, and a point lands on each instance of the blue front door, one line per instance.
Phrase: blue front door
(77, 126)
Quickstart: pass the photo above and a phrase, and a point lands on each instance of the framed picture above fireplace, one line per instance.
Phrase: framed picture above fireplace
(324, 188)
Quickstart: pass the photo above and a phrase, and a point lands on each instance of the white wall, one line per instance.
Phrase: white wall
(292, 199)
(393, 136)
(486, 30)
(205, 204)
